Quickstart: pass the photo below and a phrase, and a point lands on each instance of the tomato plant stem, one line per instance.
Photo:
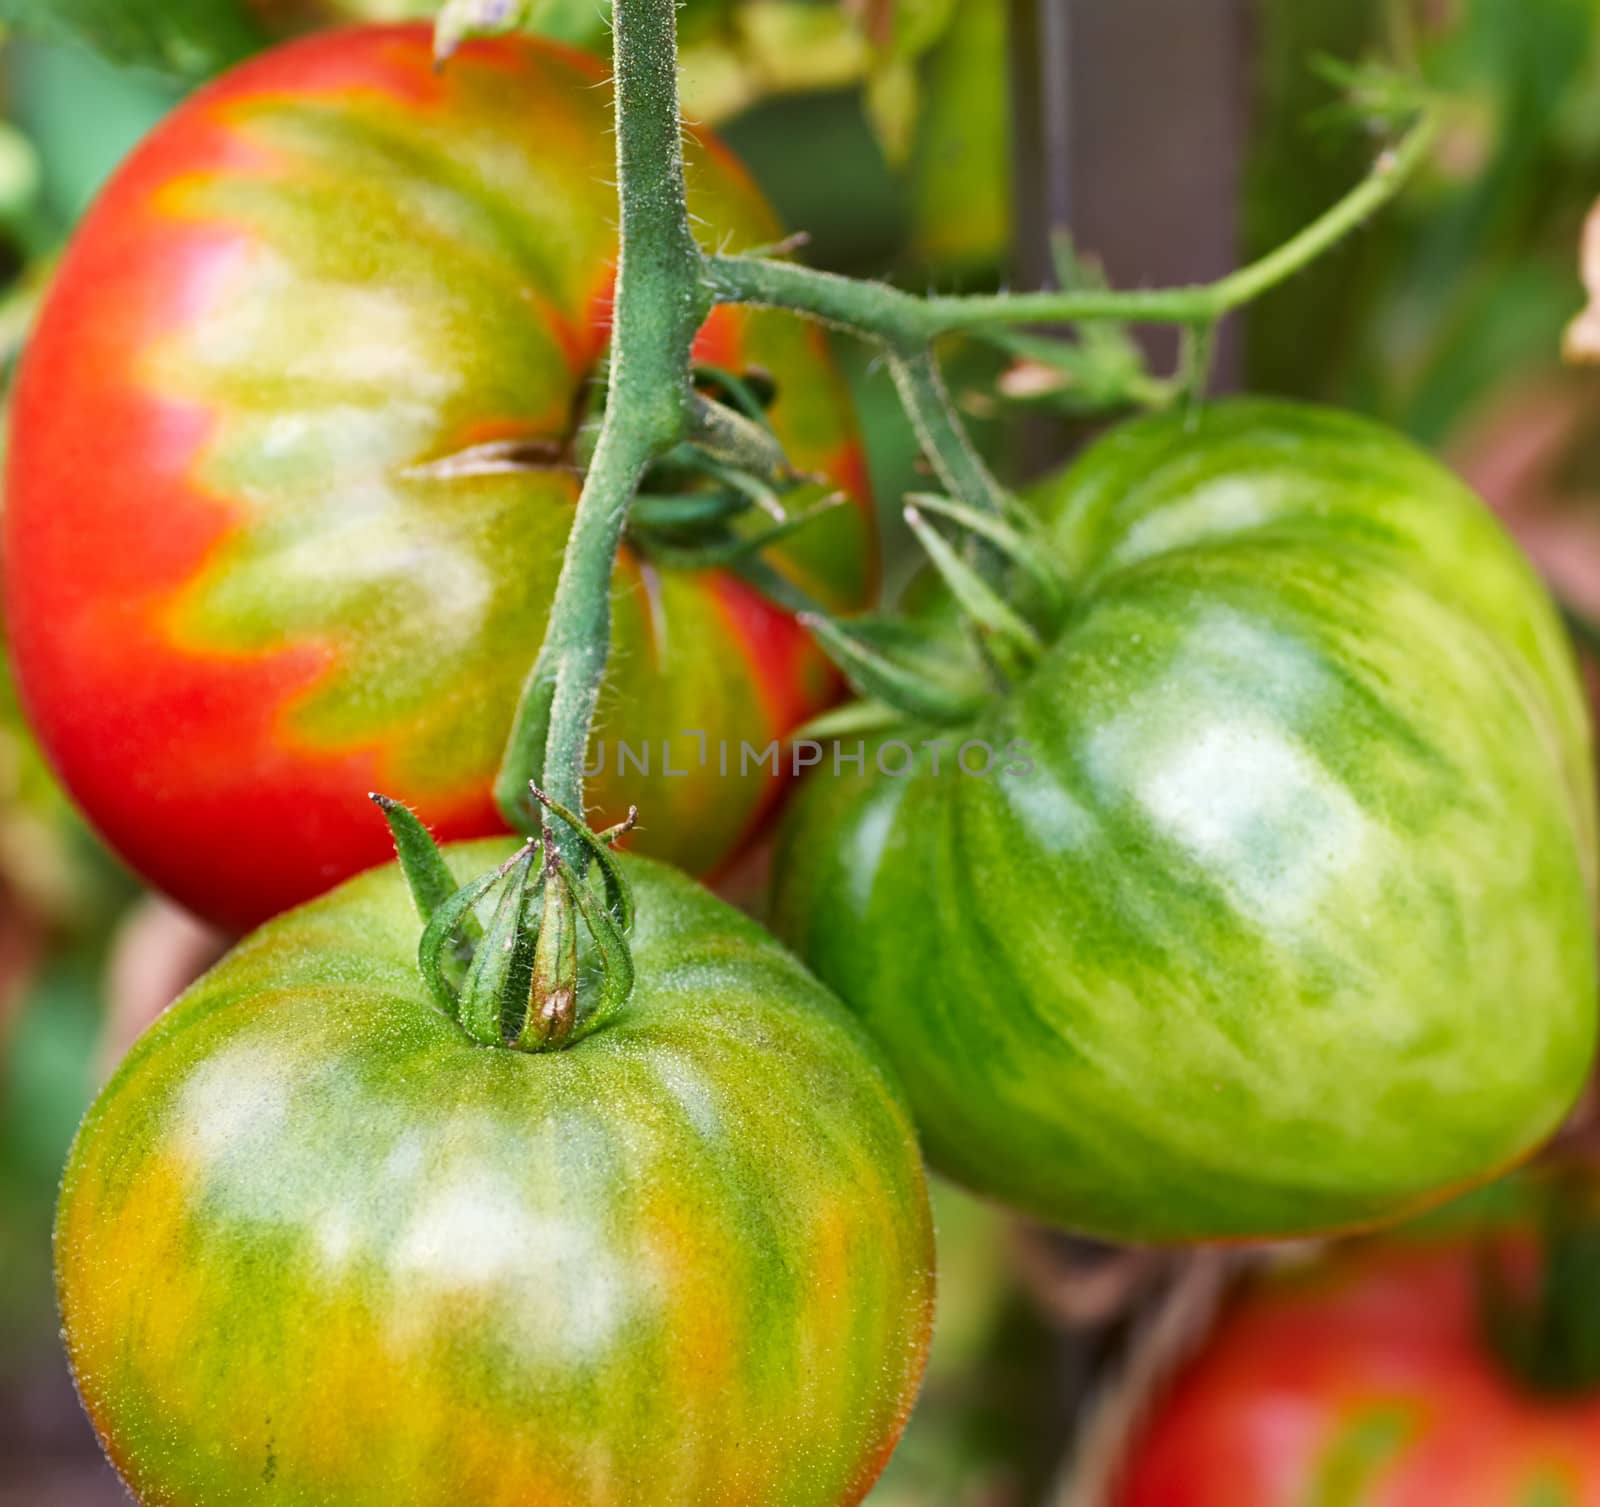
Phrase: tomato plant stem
(880, 312)
(661, 302)
(665, 288)
(943, 436)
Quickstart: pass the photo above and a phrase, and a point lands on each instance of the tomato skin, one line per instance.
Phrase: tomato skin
(250, 570)
(1286, 928)
(315, 1245)
(1364, 1382)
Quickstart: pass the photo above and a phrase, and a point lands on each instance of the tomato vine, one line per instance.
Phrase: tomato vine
(666, 287)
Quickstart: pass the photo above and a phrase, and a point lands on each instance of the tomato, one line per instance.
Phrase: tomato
(1273, 911)
(1367, 1382)
(292, 467)
(316, 1245)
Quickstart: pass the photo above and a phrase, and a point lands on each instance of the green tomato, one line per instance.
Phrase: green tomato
(316, 1247)
(1274, 913)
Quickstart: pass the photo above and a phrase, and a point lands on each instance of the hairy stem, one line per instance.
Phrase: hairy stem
(661, 302)
(943, 436)
(906, 321)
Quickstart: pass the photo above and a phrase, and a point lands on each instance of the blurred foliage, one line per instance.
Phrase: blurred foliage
(77, 149)
(50, 864)
(1467, 283)
(928, 195)
(48, 1073)
(187, 39)
(905, 101)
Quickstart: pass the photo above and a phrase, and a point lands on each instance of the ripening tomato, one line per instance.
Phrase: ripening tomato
(1262, 903)
(1369, 1381)
(316, 1245)
(293, 463)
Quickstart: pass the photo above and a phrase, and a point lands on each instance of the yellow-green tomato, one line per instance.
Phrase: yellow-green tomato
(317, 1247)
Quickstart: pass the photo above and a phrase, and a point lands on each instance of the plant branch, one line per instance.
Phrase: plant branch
(661, 302)
(907, 321)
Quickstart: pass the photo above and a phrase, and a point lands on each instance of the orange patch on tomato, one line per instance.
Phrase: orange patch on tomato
(721, 338)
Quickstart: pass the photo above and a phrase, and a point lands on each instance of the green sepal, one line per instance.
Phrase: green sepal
(726, 548)
(739, 442)
(619, 893)
(611, 945)
(751, 392)
(552, 1011)
(428, 876)
(1015, 537)
(912, 669)
(685, 510)
(497, 980)
(1012, 641)
(443, 927)
(855, 718)
(1547, 1333)
(760, 489)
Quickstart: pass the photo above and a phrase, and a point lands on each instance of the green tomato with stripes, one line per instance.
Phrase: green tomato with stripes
(315, 1245)
(1261, 903)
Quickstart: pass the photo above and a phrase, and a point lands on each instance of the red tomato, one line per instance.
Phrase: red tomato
(1364, 1383)
(292, 467)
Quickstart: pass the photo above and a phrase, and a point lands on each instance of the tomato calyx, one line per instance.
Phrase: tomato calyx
(728, 491)
(1540, 1318)
(1009, 594)
(514, 955)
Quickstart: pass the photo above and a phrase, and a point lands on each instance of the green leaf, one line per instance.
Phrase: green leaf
(184, 39)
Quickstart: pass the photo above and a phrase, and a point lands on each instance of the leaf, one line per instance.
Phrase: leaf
(184, 39)
(893, 103)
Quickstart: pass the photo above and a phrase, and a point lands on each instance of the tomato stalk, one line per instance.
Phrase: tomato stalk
(661, 302)
(520, 985)
(938, 426)
(878, 311)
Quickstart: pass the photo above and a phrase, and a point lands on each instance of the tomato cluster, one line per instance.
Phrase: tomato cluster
(1258, 901)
